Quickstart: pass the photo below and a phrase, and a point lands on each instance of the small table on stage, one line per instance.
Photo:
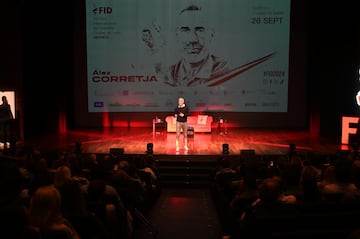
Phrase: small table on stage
(159, 126)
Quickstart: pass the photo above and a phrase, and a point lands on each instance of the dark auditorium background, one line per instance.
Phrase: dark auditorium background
(38, 61)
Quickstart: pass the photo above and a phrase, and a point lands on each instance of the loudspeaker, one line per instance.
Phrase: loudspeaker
(225, 149)
(190, 132)
(117, 151)
(150, 148)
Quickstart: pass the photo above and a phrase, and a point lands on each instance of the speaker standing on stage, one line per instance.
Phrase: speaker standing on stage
(181, 113)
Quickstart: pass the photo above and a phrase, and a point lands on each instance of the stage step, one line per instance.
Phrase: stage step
(186, 171)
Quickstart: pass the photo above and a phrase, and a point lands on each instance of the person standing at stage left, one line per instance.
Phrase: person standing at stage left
(5, 116)
(181, 112)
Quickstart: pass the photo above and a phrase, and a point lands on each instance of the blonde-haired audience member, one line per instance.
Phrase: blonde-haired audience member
(45, 214)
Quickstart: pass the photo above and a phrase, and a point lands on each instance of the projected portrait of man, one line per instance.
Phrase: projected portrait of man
(147, 38)
(152, 42)
(152, 38)
(197, 64)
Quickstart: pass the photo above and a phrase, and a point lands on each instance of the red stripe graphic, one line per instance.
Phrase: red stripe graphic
(238, 70)
(220, 79)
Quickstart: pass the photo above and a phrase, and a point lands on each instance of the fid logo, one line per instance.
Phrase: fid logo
(102, 10)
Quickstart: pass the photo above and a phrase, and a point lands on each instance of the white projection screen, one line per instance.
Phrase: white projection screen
(134, 50)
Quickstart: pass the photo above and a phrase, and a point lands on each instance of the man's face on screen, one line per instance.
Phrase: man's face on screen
(147, 38)
(194, 35)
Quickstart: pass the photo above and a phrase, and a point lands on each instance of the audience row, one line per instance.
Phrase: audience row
(288, 196)
(74, 195)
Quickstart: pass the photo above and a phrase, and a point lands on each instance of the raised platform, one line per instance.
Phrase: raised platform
(135, 140)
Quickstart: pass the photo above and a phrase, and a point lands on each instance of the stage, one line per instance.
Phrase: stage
(135, 140)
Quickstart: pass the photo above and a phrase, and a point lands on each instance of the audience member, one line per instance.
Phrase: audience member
(247, 192)
(74, 209)
(147, 174)
(45, 214)
(285, 197)
(103, 200)
(14, 214)
(291, 173)
(327, 176)
(41, 175)
(150, 161)
(343, 189)
(269, 213)
(309, 190)
(61, 176)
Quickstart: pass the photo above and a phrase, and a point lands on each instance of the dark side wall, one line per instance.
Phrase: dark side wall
(11, 74)
(29, 63)
(333, 62)
(47, 42)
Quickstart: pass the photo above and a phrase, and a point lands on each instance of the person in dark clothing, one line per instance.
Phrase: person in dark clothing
(181, 113)
(5, 116)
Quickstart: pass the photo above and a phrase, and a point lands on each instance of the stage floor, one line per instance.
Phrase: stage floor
(135, 140)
